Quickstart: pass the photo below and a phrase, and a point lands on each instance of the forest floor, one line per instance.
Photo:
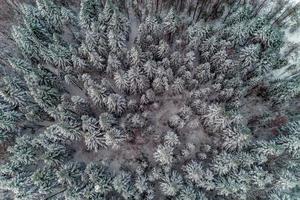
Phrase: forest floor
(143, 146)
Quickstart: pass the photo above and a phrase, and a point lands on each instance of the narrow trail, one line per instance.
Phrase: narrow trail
(134, 26)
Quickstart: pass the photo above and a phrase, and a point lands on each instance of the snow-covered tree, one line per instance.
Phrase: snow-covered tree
(121, 80)
(184, 100)
(116, 103)
(171, 139)
(138, 82)
(93, 136)
(164, 154)
(171, 183)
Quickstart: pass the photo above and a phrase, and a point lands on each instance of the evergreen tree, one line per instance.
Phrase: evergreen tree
(116, 104)
(164, 154)
(137, 81)
(93, 136)
(171, 183)
(184, 100)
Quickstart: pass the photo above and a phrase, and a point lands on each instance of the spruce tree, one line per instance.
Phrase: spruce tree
(184, 100)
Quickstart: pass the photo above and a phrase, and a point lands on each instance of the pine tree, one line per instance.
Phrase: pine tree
(291, 141)
(171, 139)
(234, 139)
(89, 10)
(171, 22)
(150, 100)
(215, 118)
(224, 163)
(141, 184)
(114, 137)
(137, 81)
(93, 136)
(97, 92)
(176, 122)
(70, 174)
(107, 121)
(113, 64)
(164, 154)
(55, 155)
(160, 85)
(150, 68)
(122, 184)
(190, 193)
(195, 171)
(178, 86)
(171, 183)
(116, 103)
(100, 176)
(45, 180)
(121, 80)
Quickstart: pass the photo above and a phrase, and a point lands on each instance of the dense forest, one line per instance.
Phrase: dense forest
(150, 100)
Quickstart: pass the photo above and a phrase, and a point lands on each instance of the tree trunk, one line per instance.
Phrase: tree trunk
(291, 50)
(201, 9)
(259, 8)
(215, 9)
(291, 11)
(195, 11)
(56, 194)
(281, 15)
(179, 5)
